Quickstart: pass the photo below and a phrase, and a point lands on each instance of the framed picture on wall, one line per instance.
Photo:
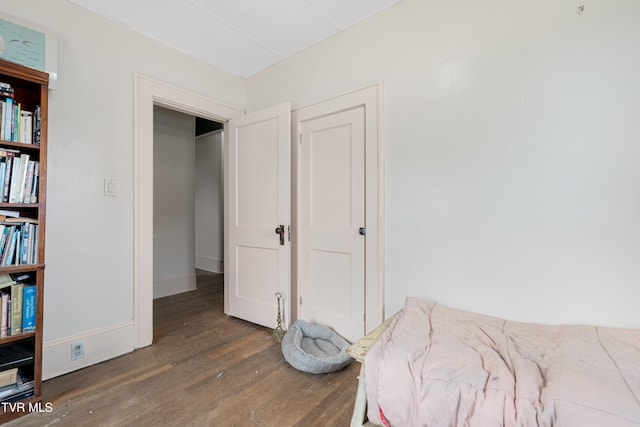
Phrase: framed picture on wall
(29, 45)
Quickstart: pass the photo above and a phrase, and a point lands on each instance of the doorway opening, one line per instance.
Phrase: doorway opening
(149, 93)
(187, 200)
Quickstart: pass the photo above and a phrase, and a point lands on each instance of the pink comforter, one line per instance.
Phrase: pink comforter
(437, 366)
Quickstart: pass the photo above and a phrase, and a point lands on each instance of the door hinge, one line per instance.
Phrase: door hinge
(300, 300)
(362, 231)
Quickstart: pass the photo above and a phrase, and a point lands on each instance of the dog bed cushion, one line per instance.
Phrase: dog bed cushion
(315, 349)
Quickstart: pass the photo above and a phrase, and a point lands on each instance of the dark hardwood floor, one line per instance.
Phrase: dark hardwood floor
(203, 369)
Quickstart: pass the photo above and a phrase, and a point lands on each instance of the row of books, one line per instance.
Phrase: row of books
(17, 304)
(18, 241)
(19, 177)
(16, 123)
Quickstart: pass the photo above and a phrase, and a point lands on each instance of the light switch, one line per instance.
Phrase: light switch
(110, 187)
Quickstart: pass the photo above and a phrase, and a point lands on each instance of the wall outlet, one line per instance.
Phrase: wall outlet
(77, 350)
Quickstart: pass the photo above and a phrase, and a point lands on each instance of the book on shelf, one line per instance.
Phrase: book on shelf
(37, 124)
(34, 239)
(8, 213)
(7, 239)
(6, 282)
(18, 299)
(9, 249)
(19, 177)
(29, 308)
(15, 122)
(25, 188)
(22, 388)
(6, 90)
(8, 377)
(12, 301)
(33, 194)
(7, 93)
(16, 373)
(28, 243)
(7, 156)
(3, 169)
(24, 244)
(7, 122)
(2, 113)
(26, 127)
(22, 177)
(16, 308)
(5, 235)
(20, 220)
(18, 241)
(18, 124)
(4, 313)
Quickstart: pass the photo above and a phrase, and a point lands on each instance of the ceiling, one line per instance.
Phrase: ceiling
(241, 37)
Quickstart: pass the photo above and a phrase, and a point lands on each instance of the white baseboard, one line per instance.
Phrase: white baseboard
(99, 345)
(174, 285)
(211, 265)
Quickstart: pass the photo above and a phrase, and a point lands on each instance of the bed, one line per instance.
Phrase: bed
(432, 365)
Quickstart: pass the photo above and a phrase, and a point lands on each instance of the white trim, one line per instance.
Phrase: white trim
(376, 298)
(371, 98)
(209, 264)
(99, 345)
(147, 93)
(166, 286)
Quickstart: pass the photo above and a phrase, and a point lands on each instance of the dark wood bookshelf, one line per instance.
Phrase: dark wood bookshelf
(30, 90)
(19, 337)
(21, 146)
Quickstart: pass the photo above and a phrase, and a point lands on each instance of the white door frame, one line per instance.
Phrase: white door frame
(147, 93)
(371, 98)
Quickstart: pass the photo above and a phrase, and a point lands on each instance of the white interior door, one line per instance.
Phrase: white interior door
(332, 213)
(258, 259)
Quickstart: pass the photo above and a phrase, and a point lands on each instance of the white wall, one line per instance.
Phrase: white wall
(89, 251)
(209, 197)
(174, 181)
(511, 145)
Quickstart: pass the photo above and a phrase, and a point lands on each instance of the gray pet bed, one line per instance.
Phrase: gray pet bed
(315, 349)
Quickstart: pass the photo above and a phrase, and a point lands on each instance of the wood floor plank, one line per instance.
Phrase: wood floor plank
(203, 369)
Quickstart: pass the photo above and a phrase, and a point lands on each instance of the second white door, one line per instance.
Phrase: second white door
(332, 221)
